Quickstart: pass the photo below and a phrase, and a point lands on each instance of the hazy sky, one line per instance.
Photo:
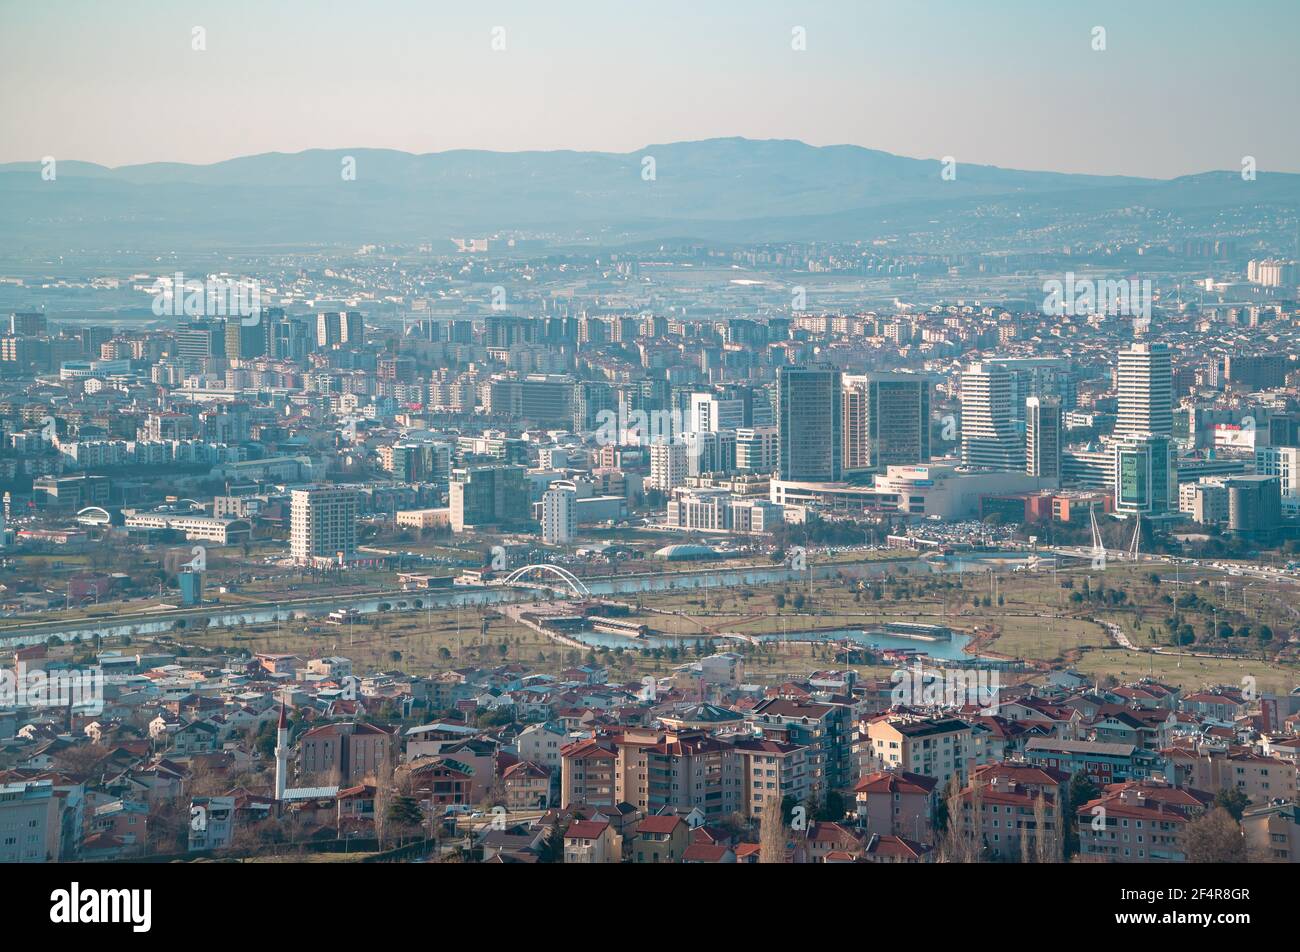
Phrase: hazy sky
(1183, 85)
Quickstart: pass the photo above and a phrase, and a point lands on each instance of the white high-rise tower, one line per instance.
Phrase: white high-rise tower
(1146, 391)
(989, 438)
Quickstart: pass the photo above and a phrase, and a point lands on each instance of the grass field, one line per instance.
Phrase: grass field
(1031, 616)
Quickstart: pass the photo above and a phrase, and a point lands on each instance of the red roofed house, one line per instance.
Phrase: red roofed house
(527, 786)
(590, 768)
(708, 853)
(999, 808)
(592, 841)
(897, 849)
(825, 839)
(660, 839)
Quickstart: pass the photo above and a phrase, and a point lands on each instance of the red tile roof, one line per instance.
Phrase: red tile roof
(586, 830)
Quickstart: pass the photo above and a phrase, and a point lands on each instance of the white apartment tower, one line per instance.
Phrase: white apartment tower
(668, 466)
(559, 515)
(711, 413)
(323, 524)
(757, 449)
(989, 437)
(1146, 391)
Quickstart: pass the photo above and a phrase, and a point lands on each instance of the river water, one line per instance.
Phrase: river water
(477, 596)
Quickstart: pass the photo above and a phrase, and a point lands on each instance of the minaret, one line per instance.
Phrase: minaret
(281, 753)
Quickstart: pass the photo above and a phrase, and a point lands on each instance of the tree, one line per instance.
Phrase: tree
(404, 814)
(1047, 845)
(385, 794)
(960, 844)
(772, 836)
(1234, 801)
(551, 849)
(1082, 790)
(832, 810)
(1215, 837)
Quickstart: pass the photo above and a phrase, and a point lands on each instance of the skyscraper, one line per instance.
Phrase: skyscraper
(591, 398)
(287, 337)
(989, 438)
(809, 419)
(856, 454)
(338, 327)
(1039, 377)
(245, 341)
(200, 340)
(1146, 387)
(323, 524)
(1043, 437)
(886, 421)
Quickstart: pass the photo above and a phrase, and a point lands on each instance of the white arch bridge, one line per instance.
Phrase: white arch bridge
(570, 581)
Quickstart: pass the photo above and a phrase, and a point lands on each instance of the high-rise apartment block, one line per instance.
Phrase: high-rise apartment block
(668, 466)
(338, 327)
(323, 524)
(487, 495)
(559, 515)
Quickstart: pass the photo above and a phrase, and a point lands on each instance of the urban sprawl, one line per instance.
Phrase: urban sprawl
(783, 553)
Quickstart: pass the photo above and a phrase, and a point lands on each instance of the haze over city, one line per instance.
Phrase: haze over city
(1181, 87)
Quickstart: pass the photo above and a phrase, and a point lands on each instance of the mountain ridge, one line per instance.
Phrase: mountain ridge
(718, 189)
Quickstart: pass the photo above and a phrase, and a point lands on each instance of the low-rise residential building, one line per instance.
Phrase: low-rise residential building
(897, 803)
(660, 839)
(592, 841)
(771, 772)
(1273, 831)
(1103, 763)
(1141, 822)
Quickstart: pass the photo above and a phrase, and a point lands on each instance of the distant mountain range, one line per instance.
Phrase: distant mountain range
(717, 189)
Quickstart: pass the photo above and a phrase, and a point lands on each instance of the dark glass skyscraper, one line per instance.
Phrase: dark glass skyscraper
(810, 424)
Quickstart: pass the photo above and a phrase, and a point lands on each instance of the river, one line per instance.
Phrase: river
(704, 578)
